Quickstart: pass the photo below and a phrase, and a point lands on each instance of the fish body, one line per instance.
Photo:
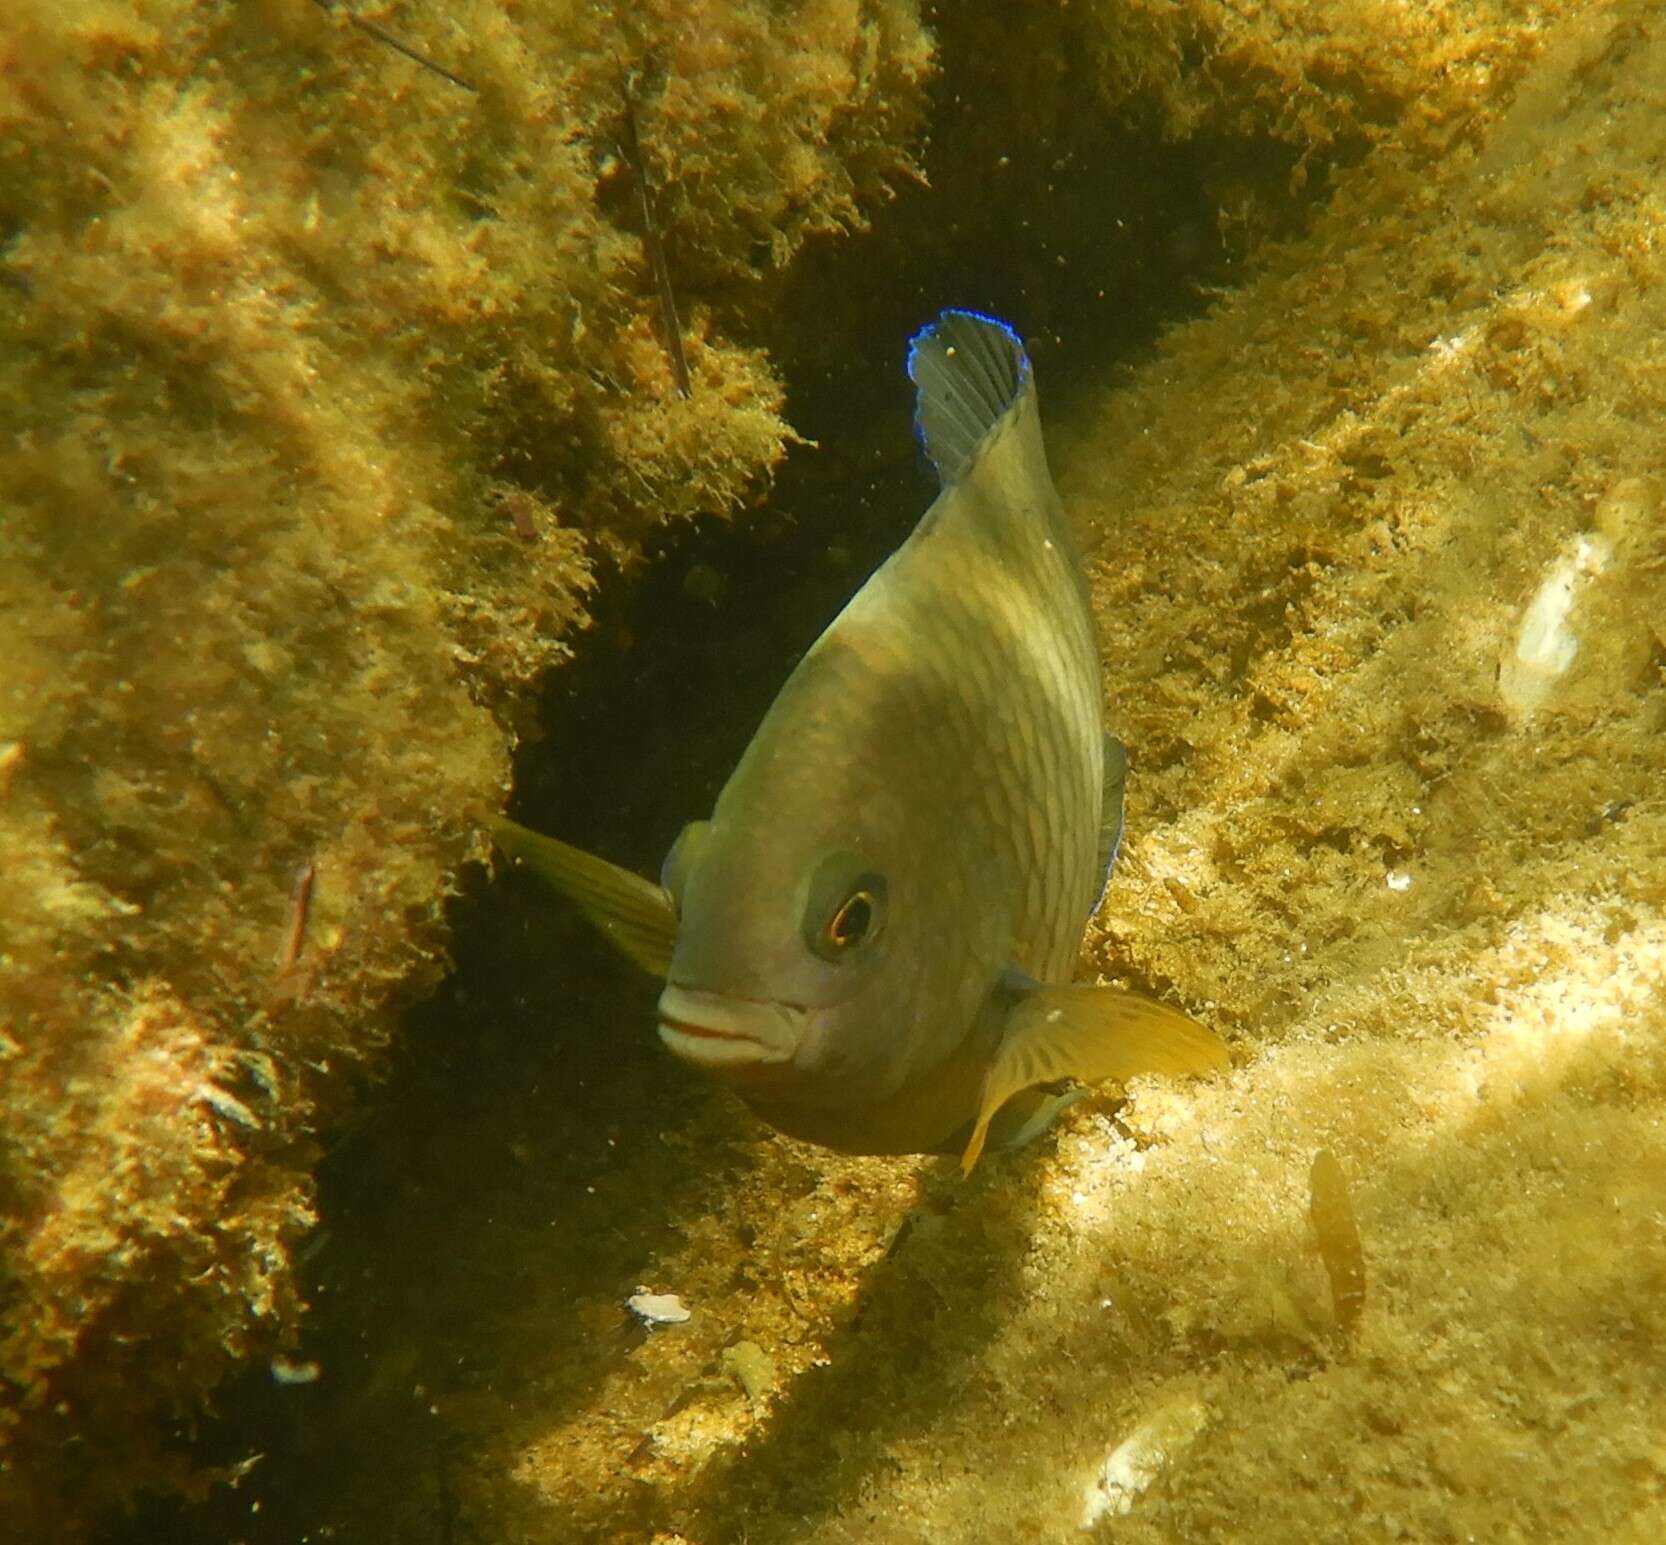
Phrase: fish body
(860, 937)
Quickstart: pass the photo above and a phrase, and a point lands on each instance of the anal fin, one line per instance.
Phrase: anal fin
(1088, 1034)
(634, 914)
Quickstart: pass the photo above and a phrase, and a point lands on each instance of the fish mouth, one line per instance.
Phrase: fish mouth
(724, 1030)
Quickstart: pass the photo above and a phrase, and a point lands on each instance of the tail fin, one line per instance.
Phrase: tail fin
(971, 373)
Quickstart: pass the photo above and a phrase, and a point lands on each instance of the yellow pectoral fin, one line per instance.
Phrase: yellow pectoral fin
(1088, 1033)
(636, 915)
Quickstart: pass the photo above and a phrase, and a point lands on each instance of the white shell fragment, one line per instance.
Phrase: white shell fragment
(1141, 1457)
(658, 1308)
(1546, 644)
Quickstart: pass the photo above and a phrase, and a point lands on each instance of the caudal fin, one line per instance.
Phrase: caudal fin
(1088, 1033)
(971, 372)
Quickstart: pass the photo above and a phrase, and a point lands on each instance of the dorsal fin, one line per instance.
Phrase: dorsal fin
(971, 372)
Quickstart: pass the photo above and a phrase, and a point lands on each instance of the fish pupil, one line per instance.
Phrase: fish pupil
(845, 906)
(851, 922)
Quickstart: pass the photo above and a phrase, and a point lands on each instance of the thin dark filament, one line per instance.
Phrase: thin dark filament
(656, 252)
(382, 35)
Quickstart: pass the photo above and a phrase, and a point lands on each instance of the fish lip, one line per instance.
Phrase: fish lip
(718, 1030)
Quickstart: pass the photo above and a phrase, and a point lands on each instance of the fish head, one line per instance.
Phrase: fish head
(788, 949)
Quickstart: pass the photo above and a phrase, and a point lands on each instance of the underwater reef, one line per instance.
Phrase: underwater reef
(334, 389)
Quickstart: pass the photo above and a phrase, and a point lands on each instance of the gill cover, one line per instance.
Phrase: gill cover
(680, 861)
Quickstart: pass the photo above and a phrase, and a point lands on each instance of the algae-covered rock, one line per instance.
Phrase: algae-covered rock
(325, 379)
(1312, 73)
(1376, 551)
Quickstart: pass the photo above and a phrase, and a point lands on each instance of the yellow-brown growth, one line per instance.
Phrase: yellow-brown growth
(323, 384)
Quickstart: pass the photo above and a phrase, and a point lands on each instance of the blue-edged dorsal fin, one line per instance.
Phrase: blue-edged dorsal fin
(971, 373)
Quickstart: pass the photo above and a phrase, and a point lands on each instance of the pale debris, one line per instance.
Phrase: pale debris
(288, 1370)
(1545, 643)
(658, 1308)
(1139, 1459)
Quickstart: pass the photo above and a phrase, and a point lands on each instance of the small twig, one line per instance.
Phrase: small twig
(632, 147)
(300, 904)
(382, 35)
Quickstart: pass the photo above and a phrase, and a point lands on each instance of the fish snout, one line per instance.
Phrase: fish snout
(719, 1030)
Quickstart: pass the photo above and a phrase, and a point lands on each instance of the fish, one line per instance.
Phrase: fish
(871, 938)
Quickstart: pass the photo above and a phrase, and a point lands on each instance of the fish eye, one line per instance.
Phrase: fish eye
(846, 907)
